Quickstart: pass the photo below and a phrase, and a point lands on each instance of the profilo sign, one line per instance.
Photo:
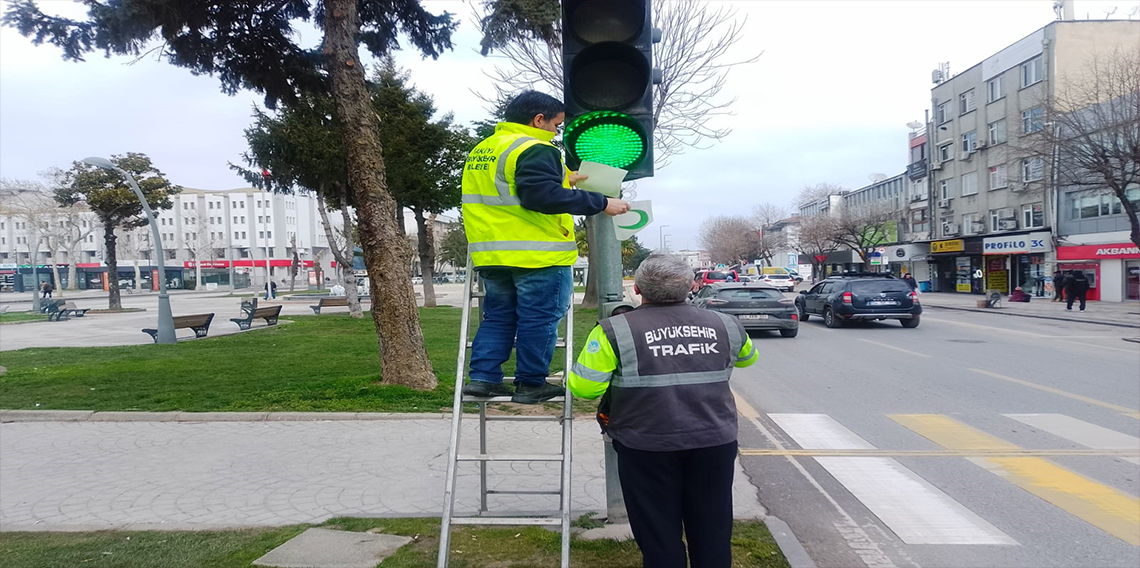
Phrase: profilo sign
(1018, 244)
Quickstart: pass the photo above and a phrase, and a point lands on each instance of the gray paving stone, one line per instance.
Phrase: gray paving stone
(324, 548)
(618, 531)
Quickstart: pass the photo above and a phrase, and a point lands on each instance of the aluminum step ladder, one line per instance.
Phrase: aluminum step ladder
(472, 291)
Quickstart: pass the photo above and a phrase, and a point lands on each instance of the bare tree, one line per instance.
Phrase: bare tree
(815, 240)
(29, 205)
(767, 213)
(342, 246)
(71, 226)
(864, 228)
(728, 239)
(691, 55)
(294, 264)
(818, 192)
(1091, 133)
(199, 240)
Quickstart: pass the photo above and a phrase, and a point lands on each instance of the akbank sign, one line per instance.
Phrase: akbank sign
(1020, 244)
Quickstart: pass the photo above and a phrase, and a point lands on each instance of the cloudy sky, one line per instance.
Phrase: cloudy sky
(828, 101)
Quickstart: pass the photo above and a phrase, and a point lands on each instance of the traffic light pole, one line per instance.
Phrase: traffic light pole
(607, 256)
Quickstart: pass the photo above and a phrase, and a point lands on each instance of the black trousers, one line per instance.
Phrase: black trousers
(689, 489)
(1076, 296)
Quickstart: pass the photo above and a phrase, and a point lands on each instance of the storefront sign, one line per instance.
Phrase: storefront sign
(1088, 252)
(207, 264)
(1019, 244)
(998, 280)
(956, 245)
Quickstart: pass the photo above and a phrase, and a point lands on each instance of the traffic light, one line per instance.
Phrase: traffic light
(607, 62)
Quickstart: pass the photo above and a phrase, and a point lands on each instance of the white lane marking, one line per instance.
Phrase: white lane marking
(918, 512)
(857, 539)
(1128, 351)
(907, 351)
(1081, 432)
(1002, 330)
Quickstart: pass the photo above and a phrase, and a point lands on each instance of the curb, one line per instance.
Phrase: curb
(1004, 313)
(789, 545)
(127, 416)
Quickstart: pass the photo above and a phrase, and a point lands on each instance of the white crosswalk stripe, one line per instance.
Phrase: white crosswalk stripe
(1081, 432)
(915, 510)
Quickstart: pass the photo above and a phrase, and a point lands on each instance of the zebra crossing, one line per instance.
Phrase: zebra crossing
(920, 513)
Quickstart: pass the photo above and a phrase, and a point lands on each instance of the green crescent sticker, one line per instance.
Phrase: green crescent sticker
(643, 221)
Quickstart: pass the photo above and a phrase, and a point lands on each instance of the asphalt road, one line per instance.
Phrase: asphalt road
(973, 440)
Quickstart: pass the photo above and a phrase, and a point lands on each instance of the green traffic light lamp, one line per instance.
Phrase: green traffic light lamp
(607, 137)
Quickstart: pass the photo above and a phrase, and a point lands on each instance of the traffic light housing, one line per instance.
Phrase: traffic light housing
(607, 62)
(610, 309)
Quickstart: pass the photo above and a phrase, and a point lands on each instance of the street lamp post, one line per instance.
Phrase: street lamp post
(267, 225)
(165, 316)
(661, 238)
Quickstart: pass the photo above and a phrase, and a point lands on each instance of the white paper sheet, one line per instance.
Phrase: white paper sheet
(603, 179)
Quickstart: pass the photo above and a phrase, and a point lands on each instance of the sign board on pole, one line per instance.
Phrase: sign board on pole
(633, 221)
(793, 260)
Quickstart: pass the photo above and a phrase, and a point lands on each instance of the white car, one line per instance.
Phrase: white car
(417, 280)
(780, 282)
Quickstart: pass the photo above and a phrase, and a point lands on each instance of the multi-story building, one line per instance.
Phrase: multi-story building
(993, 204)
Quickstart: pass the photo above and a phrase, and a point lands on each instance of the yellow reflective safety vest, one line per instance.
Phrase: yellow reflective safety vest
(500, 232)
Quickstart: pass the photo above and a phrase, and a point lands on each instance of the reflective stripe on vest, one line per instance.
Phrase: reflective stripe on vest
(735, 340)
(631, 377)
(500, 231)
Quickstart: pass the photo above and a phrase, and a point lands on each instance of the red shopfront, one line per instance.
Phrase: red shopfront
(1113, 269)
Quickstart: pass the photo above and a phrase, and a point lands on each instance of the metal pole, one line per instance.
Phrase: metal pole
(661, 238)
(610, 289)
(35, 277)
(268, 272)
(165, 316)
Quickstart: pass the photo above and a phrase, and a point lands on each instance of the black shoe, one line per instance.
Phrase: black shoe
(485, 389)
(533, 395)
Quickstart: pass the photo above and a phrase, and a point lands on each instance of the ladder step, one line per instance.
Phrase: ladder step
(514, 418)
(506, 521)
(509, 457)
(467, 398)
(560, 344)
(478, 294)
(529, 492)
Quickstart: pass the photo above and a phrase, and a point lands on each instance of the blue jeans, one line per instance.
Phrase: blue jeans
(522, 308)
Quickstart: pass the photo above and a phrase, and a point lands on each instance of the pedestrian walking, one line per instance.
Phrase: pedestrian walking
(662, 371)
(1058, 286)
(1076, 287)
(46, 289)
(910, 281)
(273, 289)
(517, 207)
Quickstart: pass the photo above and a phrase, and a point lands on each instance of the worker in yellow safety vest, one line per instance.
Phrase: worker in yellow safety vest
(518, 202)
(662, 371)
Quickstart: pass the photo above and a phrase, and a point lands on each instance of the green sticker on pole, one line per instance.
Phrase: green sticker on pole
(639, 216)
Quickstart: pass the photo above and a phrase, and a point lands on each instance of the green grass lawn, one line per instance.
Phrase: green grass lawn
(19, 317)
(506, 547)
(317, 363)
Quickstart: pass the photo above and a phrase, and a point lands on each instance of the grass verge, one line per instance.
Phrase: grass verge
(507, 547)
(21, 317)
(318, 363)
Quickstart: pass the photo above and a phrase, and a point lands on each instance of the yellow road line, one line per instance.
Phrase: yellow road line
(940, 453)
(907, 351)
(1104, 507)
(743, 408)
(1135, 415)
(1060, 392)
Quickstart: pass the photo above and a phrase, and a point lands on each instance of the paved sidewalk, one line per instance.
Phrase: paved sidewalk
(179, 475)
(1123, 314)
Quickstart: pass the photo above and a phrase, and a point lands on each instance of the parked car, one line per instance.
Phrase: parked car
(780, 281)
(860, 296)
(417, 280)
(706, 277)
(795, 275)
(757, 306)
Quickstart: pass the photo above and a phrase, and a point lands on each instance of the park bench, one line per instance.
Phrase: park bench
(250, 312)
(200, 323)
(329, 303)
(55, 310)
(73, 310)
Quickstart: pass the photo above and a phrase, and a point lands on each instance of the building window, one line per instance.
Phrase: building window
(995, 219)
(966, 102)
(997, 132)
(1033, 216)
(942, 114)
(1032, 169)
(999, 177)
(944, 189)
(243, 218)
(261, 234)
(970, 183)
(970, 141)
(946, 152)
(1032, 71)
(994, 89)
(243, 234)
(972, 224)
(919, 221)
(1032, 120)
(235, 234)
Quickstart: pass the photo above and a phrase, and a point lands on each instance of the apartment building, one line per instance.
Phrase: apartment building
(993, 209)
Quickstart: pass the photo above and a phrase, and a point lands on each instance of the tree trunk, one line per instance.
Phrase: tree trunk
(386, 253)
(424, 238)
(55, 269)
(112, 261)
(72, 270)
(590, 301)
(197, 271)
(138, 275)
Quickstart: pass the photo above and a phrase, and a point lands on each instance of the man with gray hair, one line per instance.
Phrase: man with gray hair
(663, 370)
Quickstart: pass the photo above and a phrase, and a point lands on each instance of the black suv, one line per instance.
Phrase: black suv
(860, 296)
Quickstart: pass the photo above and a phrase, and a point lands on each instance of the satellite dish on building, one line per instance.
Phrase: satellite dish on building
(877, 177)
(914, 125)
